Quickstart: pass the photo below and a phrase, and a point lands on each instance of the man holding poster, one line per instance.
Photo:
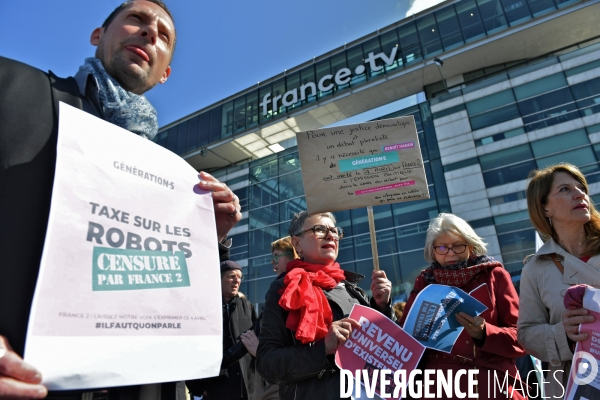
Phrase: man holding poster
(135, 46)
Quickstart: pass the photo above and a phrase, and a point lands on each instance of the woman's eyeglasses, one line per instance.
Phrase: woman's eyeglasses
(456, 249)
(321, 232)
(275, 257)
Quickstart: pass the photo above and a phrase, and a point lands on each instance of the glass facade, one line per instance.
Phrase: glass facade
(273, 191)
(550, 118)
(540, 104)
(479, 141)
(412, 41)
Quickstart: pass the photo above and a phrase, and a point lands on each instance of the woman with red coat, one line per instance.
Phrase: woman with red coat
(488, 342)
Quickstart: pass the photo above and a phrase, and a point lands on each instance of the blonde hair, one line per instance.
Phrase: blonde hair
(450, 224)
(284, 245)
(537, 197)
(398, 308)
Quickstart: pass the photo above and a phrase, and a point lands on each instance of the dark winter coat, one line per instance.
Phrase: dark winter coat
(304, 371)
(237, 380)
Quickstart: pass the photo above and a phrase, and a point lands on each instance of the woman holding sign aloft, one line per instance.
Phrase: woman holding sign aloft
(488, 342)
(304, 316)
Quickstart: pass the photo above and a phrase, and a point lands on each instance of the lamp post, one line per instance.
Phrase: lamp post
(440, 64)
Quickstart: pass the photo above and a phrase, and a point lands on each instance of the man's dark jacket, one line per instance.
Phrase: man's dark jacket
(28, 132)
(238, 316)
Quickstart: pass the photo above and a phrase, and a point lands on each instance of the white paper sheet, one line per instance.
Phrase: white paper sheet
(128, 290)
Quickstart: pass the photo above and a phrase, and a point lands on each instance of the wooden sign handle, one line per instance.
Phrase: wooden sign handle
(373, 238)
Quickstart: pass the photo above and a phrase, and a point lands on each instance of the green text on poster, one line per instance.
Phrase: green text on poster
(126, 269)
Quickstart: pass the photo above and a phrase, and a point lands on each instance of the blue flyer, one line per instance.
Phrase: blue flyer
(431, 319)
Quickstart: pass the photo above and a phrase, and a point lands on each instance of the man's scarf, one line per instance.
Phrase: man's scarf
(461, 273)
(302, 295)
(120, 107)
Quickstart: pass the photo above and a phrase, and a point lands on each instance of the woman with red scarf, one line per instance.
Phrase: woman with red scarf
(304, 316)
(488, 342)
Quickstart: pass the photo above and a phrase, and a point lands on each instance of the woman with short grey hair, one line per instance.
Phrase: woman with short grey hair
(489, 341)
(452, 225)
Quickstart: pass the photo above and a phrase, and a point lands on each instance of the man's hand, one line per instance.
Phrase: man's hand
(338, 333)
(250, 341)
(381, 288)
(228, 211)
(18, 380)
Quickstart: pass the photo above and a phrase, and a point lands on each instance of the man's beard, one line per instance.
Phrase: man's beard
(132, 79)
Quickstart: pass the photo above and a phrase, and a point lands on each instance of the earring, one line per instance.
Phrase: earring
(550, 221)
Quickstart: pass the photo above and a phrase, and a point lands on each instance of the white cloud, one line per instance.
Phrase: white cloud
(420, 5)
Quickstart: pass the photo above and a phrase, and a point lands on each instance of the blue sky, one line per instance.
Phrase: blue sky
(223, 47)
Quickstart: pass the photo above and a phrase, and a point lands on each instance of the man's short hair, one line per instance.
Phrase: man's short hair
(117, 10)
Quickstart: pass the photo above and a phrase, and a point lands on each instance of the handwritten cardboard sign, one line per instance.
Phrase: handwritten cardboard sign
(379, 344)
(361, 165)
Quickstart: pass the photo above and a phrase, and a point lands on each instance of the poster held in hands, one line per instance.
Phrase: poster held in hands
(584, 377)
(125, 293)
(378, 345)
(360, 165)
(432, 317)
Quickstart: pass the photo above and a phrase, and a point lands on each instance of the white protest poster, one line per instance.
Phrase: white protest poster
(366, 164)
(128, 288)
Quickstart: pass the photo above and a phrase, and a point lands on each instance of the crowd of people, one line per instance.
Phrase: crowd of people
(309, 278)
(288, 351)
